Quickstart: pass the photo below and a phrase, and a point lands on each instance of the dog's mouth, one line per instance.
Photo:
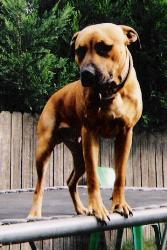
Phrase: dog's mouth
(91, 77)
(107, 89)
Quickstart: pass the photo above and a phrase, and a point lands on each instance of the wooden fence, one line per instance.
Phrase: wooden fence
(147, 164)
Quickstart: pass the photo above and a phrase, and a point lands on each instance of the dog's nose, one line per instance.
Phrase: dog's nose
(88, 75)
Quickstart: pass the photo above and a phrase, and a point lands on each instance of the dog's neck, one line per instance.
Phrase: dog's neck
(102, 100)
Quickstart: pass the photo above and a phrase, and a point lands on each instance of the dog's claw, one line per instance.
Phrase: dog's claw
(81, 210)
(108, 217)
(130, 213)
(101, 213)
(123, 209)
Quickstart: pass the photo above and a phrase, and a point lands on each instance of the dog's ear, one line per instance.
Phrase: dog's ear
(131, 34)
(72, 43)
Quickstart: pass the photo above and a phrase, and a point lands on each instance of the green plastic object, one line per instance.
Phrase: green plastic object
(138, 238)
(106, 178)
(94, 242)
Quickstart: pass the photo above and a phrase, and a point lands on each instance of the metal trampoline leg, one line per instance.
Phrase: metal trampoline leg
(157, 233)
(164, 239)
(119, 239)
(32, 245)
(138, 238)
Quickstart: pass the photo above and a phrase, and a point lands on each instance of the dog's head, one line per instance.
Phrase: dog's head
(102, 55)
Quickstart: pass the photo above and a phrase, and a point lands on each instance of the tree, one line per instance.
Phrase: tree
(32, 61)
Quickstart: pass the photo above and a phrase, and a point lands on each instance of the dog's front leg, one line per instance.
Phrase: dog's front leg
(90, 153)
(123, 144)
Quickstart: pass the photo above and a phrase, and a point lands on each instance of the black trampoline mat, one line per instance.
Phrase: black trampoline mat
(57, 202)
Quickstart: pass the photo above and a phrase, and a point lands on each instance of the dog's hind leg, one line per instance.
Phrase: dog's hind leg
(75, 147)
(46, 142)
(77, 172)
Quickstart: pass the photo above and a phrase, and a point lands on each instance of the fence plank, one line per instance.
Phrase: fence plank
(151, 160)
(68, 164)
(28, 153)
(136, 161)
(39, 245)
(159, 159)
(144, 159)
(58, 243)
(50, 171)
(129, 172)
(5, 147)
(15, 247)
(106, 153)
(34, 172)
(47, 244)
(6, 247)
(164, 157)
(58, 165)
(16, 150)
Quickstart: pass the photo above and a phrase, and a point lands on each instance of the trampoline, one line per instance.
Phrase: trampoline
(60, 220)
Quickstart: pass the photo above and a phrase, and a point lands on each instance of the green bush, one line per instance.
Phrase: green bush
(33, 63)
(35, 58)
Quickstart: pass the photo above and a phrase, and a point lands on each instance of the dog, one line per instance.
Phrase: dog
(105, 102)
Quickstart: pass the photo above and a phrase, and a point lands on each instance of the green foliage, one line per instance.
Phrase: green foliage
(35, 58)
(33, 63)
(150, 19)
(148, 245)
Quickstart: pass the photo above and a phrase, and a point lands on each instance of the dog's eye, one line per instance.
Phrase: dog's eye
(102, 49)
(81, 51)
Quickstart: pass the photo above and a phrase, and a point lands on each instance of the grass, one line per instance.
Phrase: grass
(148, 245)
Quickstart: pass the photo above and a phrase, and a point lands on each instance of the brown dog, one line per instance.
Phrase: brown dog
(105, 102)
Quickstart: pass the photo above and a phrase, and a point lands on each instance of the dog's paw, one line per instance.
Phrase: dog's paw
(97, 209)
(123, 209)
(34, 214)
(81, 210)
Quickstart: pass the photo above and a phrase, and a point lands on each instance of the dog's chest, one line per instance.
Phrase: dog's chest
(109, 123)
(111, 111)
(106, 120)
(109, 128)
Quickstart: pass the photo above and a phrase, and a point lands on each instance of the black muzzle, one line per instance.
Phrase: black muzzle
(88, 76)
